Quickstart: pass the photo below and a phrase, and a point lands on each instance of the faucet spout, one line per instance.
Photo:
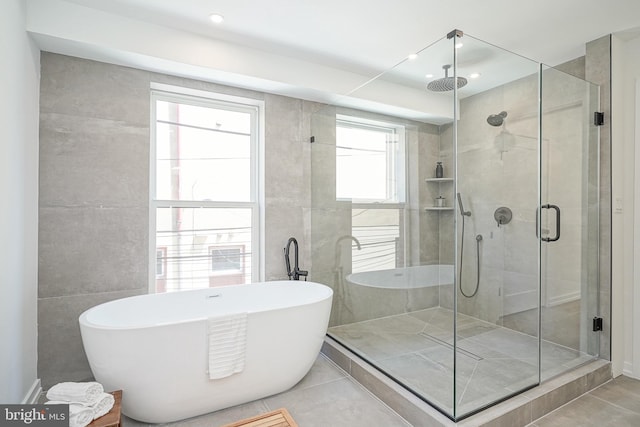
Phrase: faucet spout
(356, 241)
(296, 272)
(339, 247)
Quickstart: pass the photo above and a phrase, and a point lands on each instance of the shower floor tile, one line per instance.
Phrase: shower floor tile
(417, 349)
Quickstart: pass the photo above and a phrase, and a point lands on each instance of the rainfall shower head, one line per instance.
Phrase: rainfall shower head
(497, 119)
(445, 83)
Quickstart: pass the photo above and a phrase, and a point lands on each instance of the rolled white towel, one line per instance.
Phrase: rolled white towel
(79, 415)
(86, 393)
(103, 405)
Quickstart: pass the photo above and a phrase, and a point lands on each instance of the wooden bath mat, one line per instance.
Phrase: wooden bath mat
(277, 418)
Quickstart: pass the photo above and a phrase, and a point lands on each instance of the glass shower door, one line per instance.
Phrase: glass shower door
(497, 269)
(569, 222)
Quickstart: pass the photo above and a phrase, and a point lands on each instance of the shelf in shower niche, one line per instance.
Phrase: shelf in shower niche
(438, 208)
(439, 180)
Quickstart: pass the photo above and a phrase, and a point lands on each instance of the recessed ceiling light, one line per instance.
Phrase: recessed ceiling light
(459, 45)
(429, 76)
(474, 75)
(216, 18)
(412, 56)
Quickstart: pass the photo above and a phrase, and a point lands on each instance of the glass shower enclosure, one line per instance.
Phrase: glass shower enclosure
(455, 215)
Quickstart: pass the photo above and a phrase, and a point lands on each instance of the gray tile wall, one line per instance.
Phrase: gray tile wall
(574, 67)
(94, 194)
(497, 166)
(93, 207)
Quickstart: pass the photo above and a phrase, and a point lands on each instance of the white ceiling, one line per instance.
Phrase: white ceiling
(311, 48)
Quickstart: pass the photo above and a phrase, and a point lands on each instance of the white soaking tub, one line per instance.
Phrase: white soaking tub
(155, 347)
(373, 294)
(422, 276)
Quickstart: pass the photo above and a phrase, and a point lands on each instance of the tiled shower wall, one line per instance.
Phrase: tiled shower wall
(94, 194)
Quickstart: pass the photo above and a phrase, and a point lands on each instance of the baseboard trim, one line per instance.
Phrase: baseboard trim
(627, 370)
(32, 396)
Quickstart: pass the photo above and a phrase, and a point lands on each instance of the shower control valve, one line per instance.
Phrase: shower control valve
(503, 215)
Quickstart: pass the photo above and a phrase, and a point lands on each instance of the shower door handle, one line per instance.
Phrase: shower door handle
(557, 236)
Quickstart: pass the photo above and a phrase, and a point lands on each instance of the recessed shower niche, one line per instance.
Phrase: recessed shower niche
(462, 309)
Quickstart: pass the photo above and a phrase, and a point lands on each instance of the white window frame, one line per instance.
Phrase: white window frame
(159, 91)
(401, 167)
(398, 130)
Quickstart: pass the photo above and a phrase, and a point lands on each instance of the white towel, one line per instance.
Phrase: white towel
(86, 393)
(104, 405)
(79, 415)
(227, 344)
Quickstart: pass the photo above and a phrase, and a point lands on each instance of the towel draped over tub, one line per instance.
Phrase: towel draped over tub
(227, 344)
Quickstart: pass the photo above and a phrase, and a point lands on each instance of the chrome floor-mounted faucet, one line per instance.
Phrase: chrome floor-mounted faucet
(296, 272)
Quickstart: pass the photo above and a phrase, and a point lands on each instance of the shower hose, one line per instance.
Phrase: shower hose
(478, 239)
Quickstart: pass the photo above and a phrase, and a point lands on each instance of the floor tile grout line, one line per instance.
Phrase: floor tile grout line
(558, 408)
(468, 383)
(371, 394)
(589, 393)
(611, 403)
(570, 402)
(334, 364)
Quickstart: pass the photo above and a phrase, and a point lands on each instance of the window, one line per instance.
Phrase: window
(370, 172)
(204, 188)
(369, 161)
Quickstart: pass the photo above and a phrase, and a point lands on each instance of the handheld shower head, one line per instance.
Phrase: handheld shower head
(462, 211)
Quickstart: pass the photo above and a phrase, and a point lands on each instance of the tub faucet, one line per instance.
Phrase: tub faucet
(356, 241)
(296, 273)
(339, 247)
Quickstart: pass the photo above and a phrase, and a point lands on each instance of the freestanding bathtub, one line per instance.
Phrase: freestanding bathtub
(382, 293)
(421, 276)
(155, 347)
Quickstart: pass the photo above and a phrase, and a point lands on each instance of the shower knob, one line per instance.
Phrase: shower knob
(503, 215)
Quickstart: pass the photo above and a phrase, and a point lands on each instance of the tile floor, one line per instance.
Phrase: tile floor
(493, 362)
(328, 397)
(615, 403)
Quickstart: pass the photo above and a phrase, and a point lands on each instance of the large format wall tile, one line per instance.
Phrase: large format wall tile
(61, 353)
(85, 88)
(92, 250)
(92, 161)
